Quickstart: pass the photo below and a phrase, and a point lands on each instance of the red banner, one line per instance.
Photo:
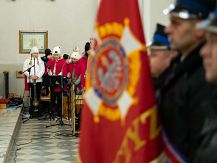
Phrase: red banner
(119, 118)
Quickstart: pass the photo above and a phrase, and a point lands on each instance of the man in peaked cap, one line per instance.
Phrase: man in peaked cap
(208, 142)
(191, 9)
(185, 89)
(183, 17)
(160, 52)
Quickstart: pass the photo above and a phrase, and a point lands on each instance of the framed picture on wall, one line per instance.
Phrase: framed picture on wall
(29, 39)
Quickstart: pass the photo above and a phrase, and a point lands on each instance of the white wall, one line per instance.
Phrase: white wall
(69, 23)
(152, 14)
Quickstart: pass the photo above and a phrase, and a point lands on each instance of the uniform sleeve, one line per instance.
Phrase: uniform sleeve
(48, 66)
(66, 69)
(82, 74)
(60, 66)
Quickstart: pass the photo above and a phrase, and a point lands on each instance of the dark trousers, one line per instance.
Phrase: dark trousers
(56, 96)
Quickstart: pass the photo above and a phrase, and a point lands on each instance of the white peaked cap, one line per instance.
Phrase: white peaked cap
(75, 55)
(56, 50)
(34, 50)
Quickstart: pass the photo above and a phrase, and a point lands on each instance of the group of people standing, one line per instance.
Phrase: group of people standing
(56, 71)
(183, 60)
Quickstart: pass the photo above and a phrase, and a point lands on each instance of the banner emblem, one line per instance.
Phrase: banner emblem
(109, 74)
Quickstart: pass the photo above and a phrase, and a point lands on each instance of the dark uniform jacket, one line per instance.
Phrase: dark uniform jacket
(180, 100)
(208, 137)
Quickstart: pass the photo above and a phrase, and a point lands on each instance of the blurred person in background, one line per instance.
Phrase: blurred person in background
(161, 57)
(66, 56)
(54, 68)
(48, 55)
(34, 69)
(208, 136)
(160, 53)
(45, 86)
